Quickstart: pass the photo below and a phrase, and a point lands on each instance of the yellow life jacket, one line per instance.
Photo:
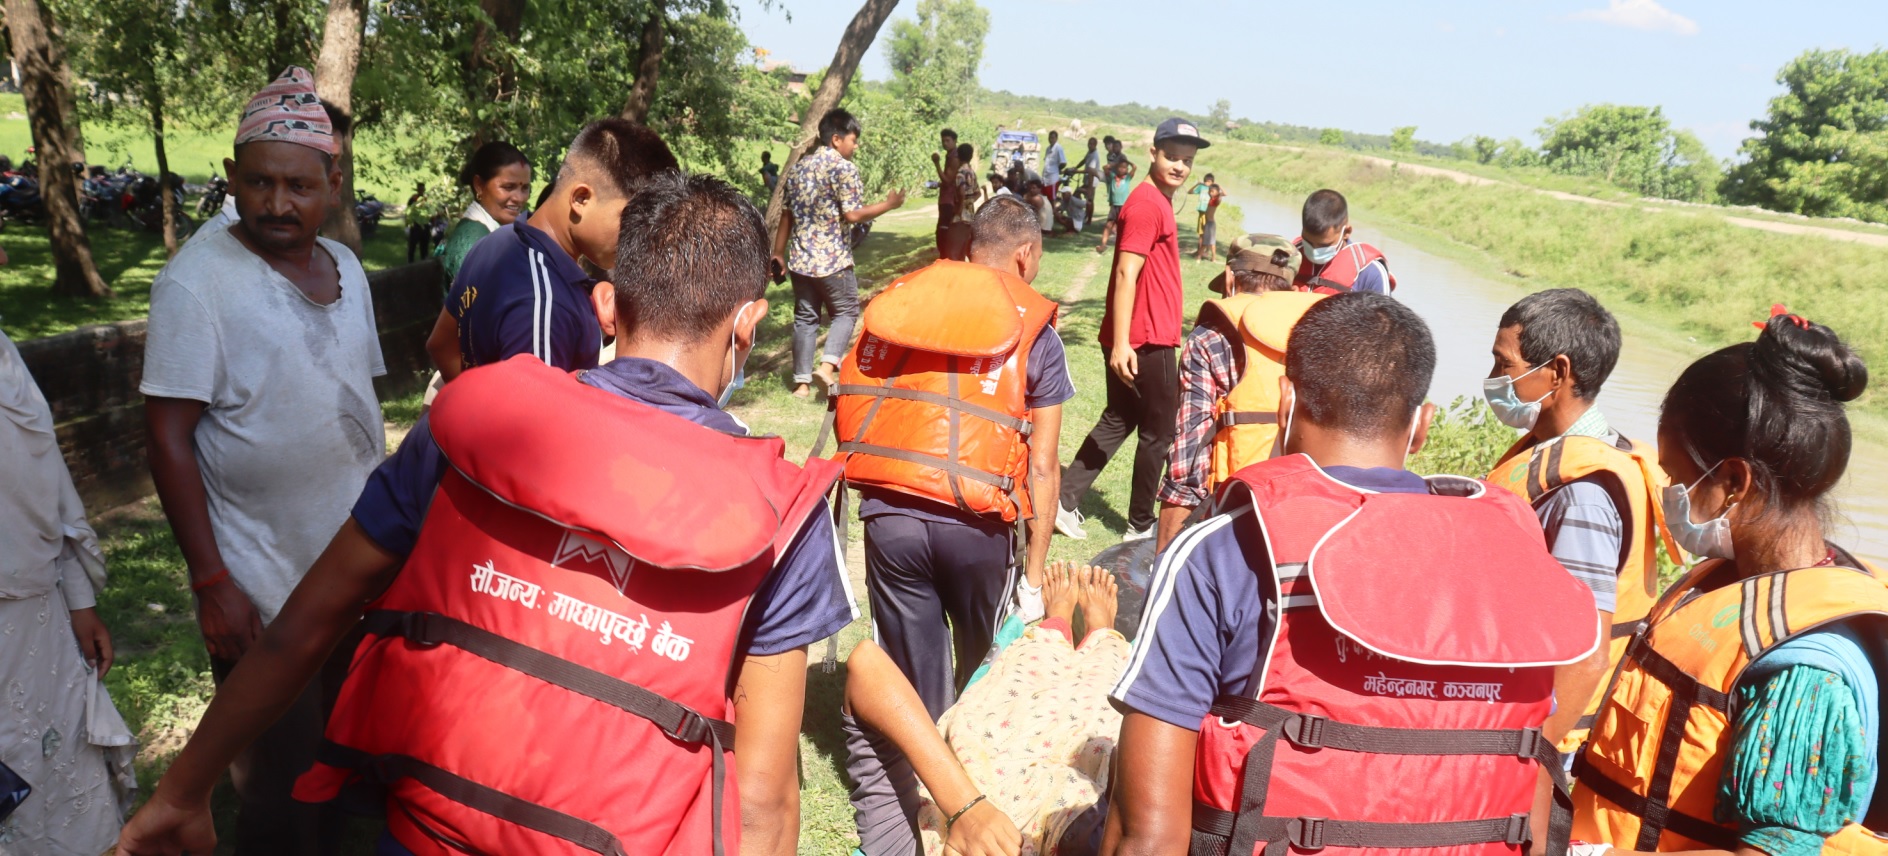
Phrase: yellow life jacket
(1536, 470)
(1246, 418)
(1648, 777)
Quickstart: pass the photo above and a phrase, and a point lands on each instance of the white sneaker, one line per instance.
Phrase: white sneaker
(1138, 534)
(1068, 521)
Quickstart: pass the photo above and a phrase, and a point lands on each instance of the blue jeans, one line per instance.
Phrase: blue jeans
(838, 295)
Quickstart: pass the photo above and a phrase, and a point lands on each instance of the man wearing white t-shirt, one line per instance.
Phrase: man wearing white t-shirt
(259, 375)
(1054, 161)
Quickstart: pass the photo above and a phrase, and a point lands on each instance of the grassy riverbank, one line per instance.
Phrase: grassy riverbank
(1686, 269)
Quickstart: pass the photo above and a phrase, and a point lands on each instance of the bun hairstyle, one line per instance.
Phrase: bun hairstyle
(1775, 403)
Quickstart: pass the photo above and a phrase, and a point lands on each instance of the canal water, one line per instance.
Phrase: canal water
(1463, 309)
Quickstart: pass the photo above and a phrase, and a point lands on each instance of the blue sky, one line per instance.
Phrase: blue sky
(1450, 67)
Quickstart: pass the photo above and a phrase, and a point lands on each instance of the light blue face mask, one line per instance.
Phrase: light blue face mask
(1322, 255)
(1708, 540)
(740, 363)
(1509, 409)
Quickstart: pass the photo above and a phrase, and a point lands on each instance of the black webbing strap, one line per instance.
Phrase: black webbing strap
(825, 429)
(1622, 631)
(677, 720)
(1321, 282)
(1312, 732)
(1654, 808)
(1212, 827)
(1245, 417)
(1011, 422)
(1681, 684)
(1649, 814)
(1250, 825)
(387, 769)
(1585, 723)
(1000, 482)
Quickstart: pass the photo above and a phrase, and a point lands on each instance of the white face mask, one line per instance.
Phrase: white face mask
(1509, 409)
(1708, 540)
(739, 378)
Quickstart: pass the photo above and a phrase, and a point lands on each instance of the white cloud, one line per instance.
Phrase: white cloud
(1639, 15)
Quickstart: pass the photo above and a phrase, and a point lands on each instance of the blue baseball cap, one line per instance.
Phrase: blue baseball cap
(1179, 130)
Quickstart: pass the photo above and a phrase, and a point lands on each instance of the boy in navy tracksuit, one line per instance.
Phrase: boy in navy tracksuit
(521, 290)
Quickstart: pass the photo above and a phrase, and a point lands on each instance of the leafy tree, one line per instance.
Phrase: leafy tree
(137, 55)
(934, 58)
(1403, 139)
(1823, 147)
(1222, 113)
(1512, 153)
(1331, 137)
(1633, 147)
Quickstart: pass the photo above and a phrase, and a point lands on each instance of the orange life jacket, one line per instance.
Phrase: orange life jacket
(1535, 471)
(931, 401)
(1338, 275)
(550, 672)
(1649, 775)
(1246, 417)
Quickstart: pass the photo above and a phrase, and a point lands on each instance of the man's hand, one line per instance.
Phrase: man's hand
(895, 199)
(229, 620)
(934, 158)
(1125, 364)
(94, 639)
(984, 830)
(163, 828)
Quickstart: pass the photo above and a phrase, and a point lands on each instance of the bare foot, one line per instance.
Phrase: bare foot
(1059, 592)
(1100, 599)
(802, 391)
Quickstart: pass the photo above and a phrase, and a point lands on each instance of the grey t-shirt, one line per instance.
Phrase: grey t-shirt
(292, 428)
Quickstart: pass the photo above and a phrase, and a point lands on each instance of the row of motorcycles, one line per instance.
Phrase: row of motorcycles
(131, 199)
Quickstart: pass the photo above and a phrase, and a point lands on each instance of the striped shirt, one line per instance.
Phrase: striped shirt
(1582, 524)
(518, 292)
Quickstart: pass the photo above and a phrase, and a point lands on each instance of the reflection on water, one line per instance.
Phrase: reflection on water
(1463, 309)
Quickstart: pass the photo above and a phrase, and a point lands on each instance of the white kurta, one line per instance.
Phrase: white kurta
(58, 730)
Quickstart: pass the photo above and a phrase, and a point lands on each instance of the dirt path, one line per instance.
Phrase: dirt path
(1871, 239)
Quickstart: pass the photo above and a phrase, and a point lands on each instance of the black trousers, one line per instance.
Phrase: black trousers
(420, 238)
(269, 820)
(1148, 409)
(938, 592)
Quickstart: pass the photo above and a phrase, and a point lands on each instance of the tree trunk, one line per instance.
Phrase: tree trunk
(642, 95)
(55, 138)
(283, 50)
(334, 82)
(155, 100)
(852, 46)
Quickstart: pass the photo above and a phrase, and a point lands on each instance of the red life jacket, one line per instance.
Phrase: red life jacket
(1339, 274)
(550, 671)
(1409, 673)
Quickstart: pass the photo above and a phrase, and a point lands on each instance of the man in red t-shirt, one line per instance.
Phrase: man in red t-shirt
(1140, 335)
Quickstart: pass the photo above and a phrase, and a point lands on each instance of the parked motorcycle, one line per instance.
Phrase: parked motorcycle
(368, 212)
(213, 195)
(20, 201)
(144, 204)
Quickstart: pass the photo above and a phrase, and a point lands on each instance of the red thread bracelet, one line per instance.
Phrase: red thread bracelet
(213, 579)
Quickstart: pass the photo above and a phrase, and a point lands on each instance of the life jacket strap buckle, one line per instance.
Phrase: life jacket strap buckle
(1306, 833)
(1304, 730)
(1520, 829)
(692, 727)
(1530, 744)
(416, 628)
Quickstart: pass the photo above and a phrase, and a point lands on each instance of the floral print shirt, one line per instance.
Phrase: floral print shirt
(821, 187)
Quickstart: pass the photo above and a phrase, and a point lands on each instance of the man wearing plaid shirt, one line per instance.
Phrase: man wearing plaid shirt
(1211, 363)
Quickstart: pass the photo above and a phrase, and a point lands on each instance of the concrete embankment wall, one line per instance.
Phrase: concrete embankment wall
(90, 377)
